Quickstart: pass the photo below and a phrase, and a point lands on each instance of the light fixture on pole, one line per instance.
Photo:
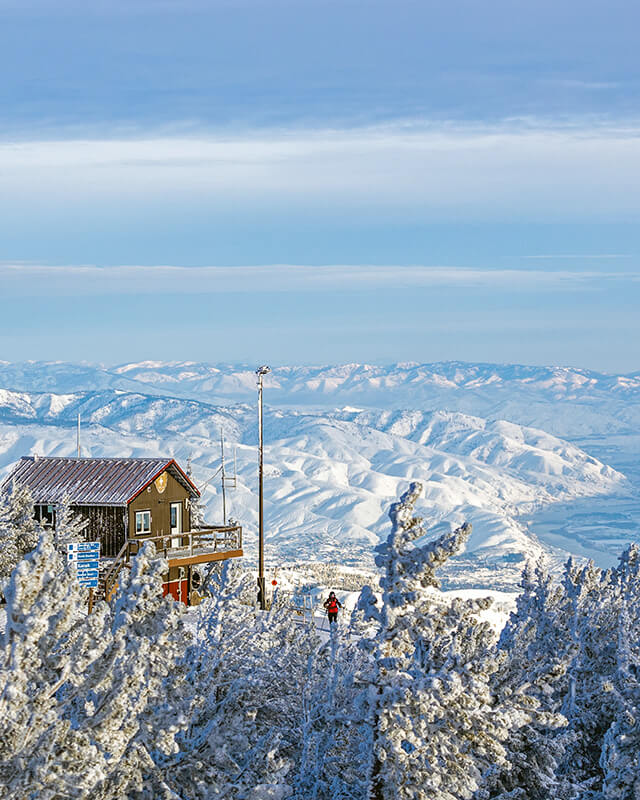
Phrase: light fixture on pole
(261, 372)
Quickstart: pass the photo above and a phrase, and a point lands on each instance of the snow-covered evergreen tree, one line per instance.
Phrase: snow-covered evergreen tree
(620, 759)
(19, 531)
(70, 527)
(247, 674)
(438, 732)
(536, 634)
(40, 754)
(565, 640)
(620, 751)
(197, 510)
(83, 698)
(335, 762)
(589, 702)
(536, 651)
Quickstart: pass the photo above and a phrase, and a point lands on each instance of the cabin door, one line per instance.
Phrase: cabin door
(176, 524)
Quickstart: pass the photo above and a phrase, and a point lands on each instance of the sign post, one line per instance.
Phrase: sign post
(86, 557)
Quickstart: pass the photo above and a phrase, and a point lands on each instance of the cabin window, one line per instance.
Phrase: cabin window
(143, 522)
(175, 519)
(46, 514)
(176, 508)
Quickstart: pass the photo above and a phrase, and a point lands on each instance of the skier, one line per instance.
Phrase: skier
(332, 604)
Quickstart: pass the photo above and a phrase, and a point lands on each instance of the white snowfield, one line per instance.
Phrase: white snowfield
(343, 442)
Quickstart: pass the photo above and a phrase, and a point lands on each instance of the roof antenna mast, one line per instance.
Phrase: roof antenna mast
(78, 436)
(224, 494)
(227, 481)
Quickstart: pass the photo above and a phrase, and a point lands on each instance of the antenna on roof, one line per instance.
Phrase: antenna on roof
(226, 480)
(78, 436)
(224, 494)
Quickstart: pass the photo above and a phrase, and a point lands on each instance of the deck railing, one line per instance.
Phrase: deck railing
(210, 540)
(215, 539)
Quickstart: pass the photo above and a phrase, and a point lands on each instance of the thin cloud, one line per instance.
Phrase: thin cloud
(23, 280)
(571, 83)
(517, 169)
(578, 256)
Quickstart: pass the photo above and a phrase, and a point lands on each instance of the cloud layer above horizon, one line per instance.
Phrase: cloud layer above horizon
(30, 280)
(513, 171)
(178, 167)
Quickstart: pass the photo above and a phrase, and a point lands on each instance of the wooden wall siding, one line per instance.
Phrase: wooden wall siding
(158, 503)
(106, 525)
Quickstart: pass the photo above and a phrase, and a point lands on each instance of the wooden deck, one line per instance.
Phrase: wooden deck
(202, 558)
(201, 546)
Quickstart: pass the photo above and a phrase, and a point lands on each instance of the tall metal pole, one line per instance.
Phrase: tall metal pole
(261, 372)
(224, 495)
(78, 436)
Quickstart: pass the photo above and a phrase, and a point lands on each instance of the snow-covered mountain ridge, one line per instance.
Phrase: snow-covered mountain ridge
(331, 473)
(522, 451)
(575, 404)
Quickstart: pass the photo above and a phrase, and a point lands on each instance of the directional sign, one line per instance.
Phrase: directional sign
(86, 557)
(83, 547)
(82, 558)
(87, 574)
(88, 579)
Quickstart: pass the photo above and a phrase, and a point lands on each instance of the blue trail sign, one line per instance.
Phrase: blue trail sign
(86, 557)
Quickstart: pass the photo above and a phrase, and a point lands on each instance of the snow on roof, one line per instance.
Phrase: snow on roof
(92, 481)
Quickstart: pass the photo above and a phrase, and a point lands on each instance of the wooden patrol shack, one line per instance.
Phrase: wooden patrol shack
(125, 502)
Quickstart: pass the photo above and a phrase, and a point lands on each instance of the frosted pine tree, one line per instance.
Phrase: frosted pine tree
(197, 510)
(626, 577)
(620, 759)
(131, 710)
(536, 651)
(41, 754)
(594, 687)
(589, 703)
(85, 700)
(335, 762)
(70, 527)
(536, 636)
(19, 531)
(247, 677)
(438, 731)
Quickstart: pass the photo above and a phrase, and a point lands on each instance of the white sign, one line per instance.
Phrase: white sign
(86, 557)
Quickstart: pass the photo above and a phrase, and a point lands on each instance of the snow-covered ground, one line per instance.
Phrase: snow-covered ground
(343, 442)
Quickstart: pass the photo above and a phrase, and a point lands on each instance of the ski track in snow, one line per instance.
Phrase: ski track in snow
(343, 442)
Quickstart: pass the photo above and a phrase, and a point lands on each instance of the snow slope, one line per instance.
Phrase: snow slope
(565, 401)
(330, 475)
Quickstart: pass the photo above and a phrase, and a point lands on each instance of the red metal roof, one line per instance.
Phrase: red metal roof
(92, 481)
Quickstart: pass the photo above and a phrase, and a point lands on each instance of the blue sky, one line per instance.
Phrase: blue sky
(320, 181)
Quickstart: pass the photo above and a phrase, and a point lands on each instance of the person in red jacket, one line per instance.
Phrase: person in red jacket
(332, 604)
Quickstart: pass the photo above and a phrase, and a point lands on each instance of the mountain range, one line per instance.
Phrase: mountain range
(542, 461)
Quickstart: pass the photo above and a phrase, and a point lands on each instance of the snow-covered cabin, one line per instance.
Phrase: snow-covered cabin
(125, 501)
